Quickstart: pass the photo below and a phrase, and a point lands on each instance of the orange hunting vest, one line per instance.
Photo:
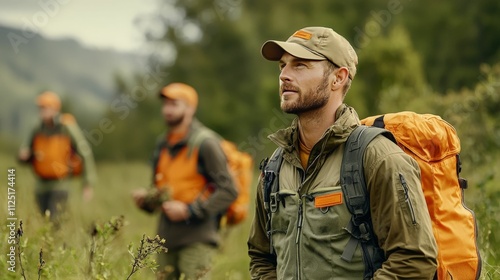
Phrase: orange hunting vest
(54, 157)
(51, 155)
(179, 175)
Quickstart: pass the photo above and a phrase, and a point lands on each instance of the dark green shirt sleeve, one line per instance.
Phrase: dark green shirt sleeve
(83, 148)
(214, 166)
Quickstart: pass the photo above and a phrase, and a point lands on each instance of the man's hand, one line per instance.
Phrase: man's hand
(87, 193)
(138, 196)
(175, 210)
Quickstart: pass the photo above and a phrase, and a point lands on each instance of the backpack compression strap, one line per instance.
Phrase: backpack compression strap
(357, 200)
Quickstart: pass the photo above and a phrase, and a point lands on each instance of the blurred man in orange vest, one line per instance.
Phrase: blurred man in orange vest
(187, 164)
(57, 150)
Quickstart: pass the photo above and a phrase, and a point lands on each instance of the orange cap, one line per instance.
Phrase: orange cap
(49, 99)
(180, 91)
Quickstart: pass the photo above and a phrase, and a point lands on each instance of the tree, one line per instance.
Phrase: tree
(214, 46)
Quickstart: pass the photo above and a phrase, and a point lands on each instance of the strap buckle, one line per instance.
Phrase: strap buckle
(273, 203)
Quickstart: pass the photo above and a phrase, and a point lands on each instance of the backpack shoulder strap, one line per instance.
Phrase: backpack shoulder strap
(67, 119)
(356, 195)
(160, 144)
(271, 169)
(352, 179)
(69, 127)
(200, 135)
(271, 177)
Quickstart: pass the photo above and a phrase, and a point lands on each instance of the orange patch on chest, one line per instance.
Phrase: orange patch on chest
(327, 200)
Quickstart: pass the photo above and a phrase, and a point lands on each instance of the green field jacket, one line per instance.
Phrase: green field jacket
(307, 241)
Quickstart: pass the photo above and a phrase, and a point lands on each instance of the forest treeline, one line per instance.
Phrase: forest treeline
(424, 56)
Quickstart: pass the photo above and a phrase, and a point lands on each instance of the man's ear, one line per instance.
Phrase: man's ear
(191, 110)
(340, 78)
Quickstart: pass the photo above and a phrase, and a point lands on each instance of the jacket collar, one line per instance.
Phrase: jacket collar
(195, 126)
(55, 127)
(346, 119)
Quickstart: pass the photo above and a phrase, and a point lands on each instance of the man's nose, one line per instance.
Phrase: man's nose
(285, 73)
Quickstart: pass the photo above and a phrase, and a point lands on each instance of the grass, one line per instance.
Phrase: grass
(66, 252)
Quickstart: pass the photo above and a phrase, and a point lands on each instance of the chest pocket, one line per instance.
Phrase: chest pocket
(324, 231)
(325, 213)
(284, 219)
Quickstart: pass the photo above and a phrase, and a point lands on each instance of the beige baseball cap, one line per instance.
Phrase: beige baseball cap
(314, 43)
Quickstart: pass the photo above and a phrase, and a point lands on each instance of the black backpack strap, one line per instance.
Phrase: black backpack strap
(357, 200)
(379, 122)
(271, 169)
(32, 136)
(461, 181)
(160, 145)
(271, 176)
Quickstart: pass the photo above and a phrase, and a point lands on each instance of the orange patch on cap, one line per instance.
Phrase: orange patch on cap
(327, 200)
(303, 35)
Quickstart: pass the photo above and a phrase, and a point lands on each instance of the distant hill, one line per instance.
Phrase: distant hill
(83, 77)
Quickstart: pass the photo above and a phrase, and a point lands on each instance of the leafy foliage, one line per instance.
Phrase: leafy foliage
(404, 63)
(148, 246)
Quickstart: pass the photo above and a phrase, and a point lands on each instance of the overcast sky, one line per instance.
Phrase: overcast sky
(95, 23)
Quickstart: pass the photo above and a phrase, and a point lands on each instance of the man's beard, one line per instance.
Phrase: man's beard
(314, 99)
(175, 122)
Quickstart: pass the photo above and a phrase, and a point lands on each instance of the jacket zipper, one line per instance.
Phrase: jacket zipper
(297, 239)
(299, 222)
(304, 179)
(407, 199)
(300, 212)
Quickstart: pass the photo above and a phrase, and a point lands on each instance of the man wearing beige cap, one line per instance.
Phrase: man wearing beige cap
(302, 227)
(192, 187)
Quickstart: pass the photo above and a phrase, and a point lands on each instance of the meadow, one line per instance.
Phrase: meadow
(94, 241)
(67, 251)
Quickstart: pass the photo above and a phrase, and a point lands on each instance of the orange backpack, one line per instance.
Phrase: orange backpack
(241, 168)
(54, 157)
(240, 165)
(435, 145)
